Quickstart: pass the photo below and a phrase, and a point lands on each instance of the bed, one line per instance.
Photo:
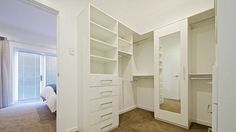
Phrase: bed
(49, 96)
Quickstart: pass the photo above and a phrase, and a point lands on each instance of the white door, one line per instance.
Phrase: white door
(170, 73)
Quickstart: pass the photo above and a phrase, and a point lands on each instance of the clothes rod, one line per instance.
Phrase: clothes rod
(193, 78)
(142, 40)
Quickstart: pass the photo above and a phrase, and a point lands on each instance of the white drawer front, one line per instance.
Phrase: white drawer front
(103, 103)
(103, 115)
(103, 80)
(102, 92)
(106, 125)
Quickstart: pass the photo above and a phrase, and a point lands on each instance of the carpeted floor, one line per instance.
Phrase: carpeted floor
(30, 117)
(36, 117)
(139, 120)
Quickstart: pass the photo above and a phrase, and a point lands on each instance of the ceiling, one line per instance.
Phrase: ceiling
(19, 18)
(146, 15)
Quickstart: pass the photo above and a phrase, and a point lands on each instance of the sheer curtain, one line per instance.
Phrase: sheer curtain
(4, 73)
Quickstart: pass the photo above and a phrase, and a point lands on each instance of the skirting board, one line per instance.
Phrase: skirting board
(128, 109)
(73, 129)
(146, 108)
(202, 122)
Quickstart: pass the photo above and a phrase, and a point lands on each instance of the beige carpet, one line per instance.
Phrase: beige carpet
(139, 120)
(30, 117)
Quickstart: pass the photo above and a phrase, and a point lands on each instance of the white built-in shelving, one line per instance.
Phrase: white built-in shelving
(103, 43)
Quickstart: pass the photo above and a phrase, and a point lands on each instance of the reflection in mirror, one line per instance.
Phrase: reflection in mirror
(169, 72)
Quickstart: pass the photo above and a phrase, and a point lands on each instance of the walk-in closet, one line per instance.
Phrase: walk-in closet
(167, 71)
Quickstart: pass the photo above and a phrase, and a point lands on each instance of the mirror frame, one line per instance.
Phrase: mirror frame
(180, 119)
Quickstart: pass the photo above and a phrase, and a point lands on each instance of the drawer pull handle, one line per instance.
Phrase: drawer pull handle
(102, 128)
(104, 105)
(106, 114)
(106, 93)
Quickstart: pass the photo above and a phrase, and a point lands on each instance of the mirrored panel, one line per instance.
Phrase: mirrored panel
(169, 72)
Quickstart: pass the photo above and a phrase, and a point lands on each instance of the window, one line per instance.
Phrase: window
(28, 76)
(35, 71)
(51, 70)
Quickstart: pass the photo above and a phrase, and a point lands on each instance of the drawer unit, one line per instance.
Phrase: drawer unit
(103, 80)
(106, 125)
(103, 103)
(102, 92)
(103, 115)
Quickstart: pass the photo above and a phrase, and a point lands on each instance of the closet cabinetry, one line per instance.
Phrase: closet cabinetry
(99, 83)
(202, 47)
(143, 67)
(125, 50)
(184, 60)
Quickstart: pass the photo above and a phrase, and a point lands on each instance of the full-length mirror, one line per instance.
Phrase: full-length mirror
(169, 72)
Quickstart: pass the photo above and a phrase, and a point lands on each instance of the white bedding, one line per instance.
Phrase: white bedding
(51, 98)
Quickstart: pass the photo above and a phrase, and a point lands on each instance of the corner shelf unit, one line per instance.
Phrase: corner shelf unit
(103, 43)
(125, 40)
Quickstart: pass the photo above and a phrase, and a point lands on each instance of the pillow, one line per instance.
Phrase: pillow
(53, 86)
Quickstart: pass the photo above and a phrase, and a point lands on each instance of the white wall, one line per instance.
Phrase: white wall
(171, 65)
(143, 57)
(144, 65)
(226, 30)
(145, 93)
(202, 46)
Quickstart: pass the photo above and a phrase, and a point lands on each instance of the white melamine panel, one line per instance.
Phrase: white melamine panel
(101, 65)
(102, 19)
(102, 92)
(103, 103)
(103, 80)
(128, 95)
(103, 115)
(145, 93)
(106, 125)
(102, 34)
(143, 57)
(201, 101)
(202, 58)
(202, 46)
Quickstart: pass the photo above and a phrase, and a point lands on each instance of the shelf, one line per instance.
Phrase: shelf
(124, 42)
(102, 19)
(100, 45)
(203, 78)
(102, 27)
(123, 53)
(101, 33)
(101, 59)
(125, 33)
(199, 74)
(143, 75)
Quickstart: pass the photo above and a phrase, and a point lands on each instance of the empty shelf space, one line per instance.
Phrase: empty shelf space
(123, 53)
(124, 42)
(101, 59)
(100, 45)
(93, 24)
(102, 19)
